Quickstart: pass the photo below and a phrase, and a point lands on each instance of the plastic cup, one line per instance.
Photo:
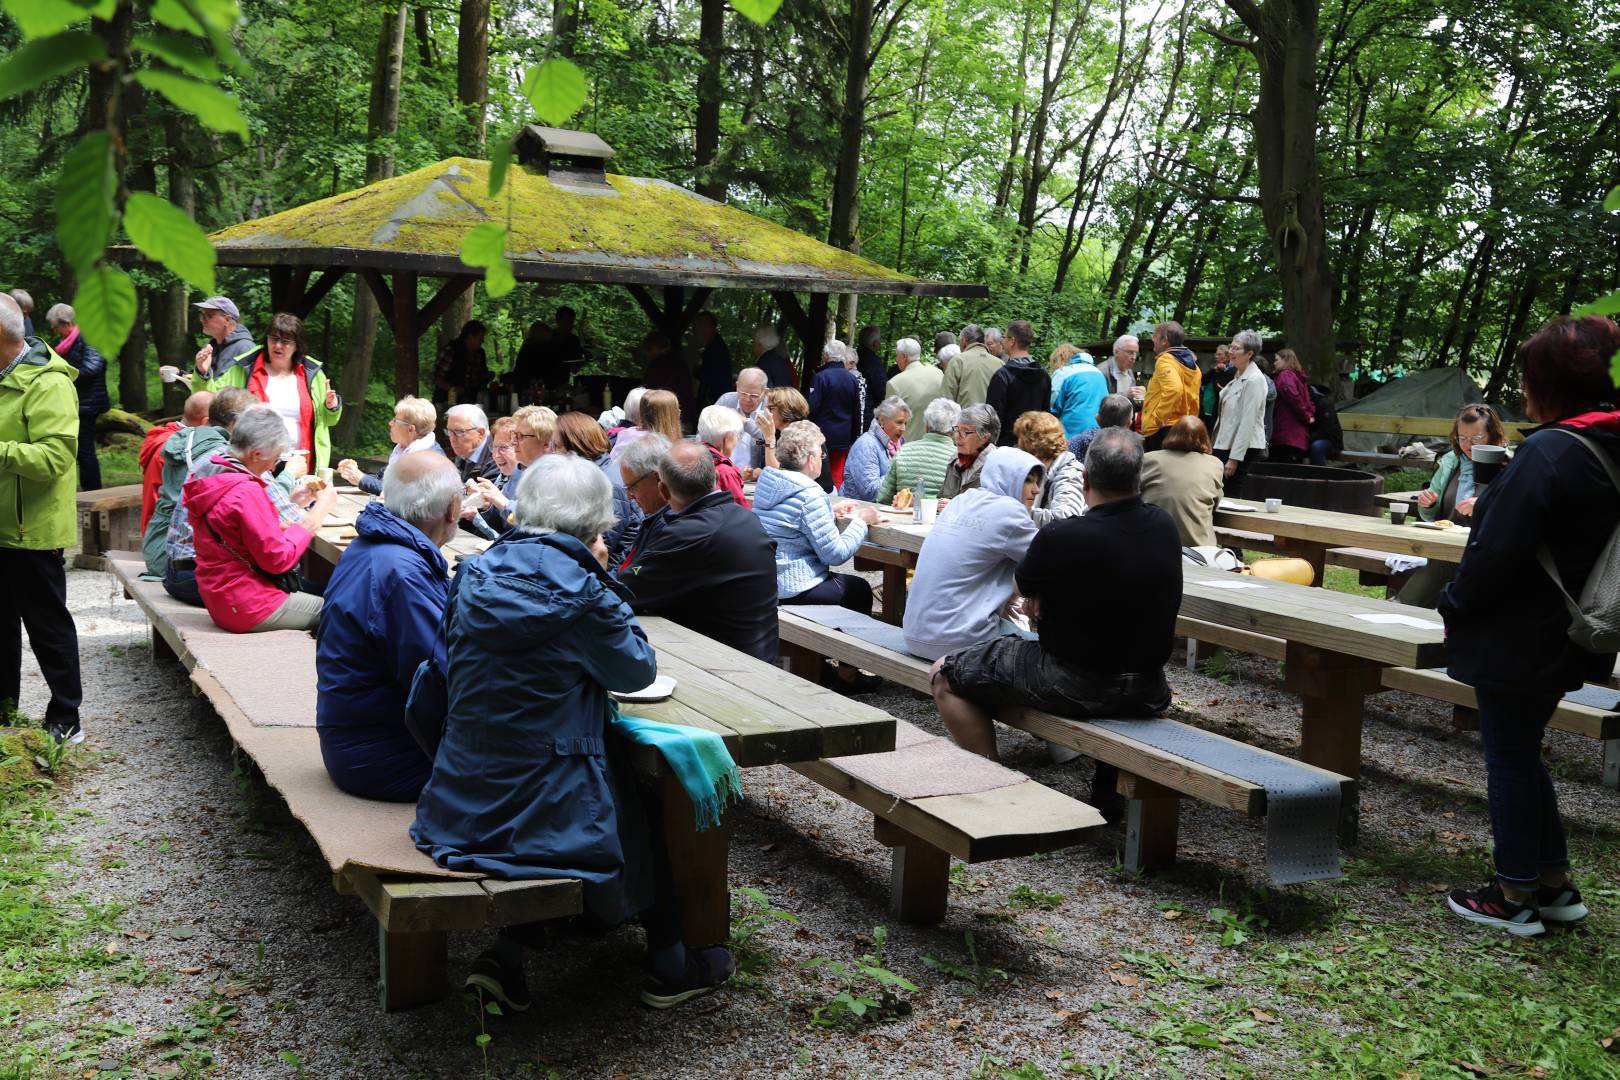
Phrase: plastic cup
(926, 511)
(1398, 512)
(168, 373)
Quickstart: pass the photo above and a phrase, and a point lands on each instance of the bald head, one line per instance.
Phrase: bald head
(195, 413)
(686, 474)
(425, 490)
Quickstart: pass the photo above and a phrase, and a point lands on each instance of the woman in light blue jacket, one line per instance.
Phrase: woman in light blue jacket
(869, 458)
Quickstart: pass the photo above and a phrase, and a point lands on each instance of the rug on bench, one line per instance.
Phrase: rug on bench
(923, 765)
(852, 623)
(1592, 695)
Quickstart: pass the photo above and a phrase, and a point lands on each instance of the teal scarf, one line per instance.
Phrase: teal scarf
(700, 759)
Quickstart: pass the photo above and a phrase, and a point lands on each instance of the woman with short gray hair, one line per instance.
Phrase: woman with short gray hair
(247, 559)
(91, 386)
(919, 467)
(977, 428)
(1240, 429)
(870, 457)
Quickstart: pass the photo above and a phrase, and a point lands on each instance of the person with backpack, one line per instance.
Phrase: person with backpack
(1326, 434)
(1544, 530)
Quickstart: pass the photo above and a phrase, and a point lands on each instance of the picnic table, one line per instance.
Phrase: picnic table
(765, 716)
(1310, 533)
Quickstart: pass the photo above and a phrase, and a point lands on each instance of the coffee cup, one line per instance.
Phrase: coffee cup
(1488, 461)
(1273, 506)
(168, 373)
(328, 476)
(926, 510)
(1398, 512)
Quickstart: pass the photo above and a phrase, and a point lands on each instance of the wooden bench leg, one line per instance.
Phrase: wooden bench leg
(1464, 719)
(1315, 554)
(699, 861)
(1332, 687)
(802, 662)
(1152, 820)
(920, 878)
(412, 967)
(894, 594)
(1611, 763)
(161, 649)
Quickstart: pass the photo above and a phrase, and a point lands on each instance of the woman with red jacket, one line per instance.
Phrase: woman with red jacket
(1291, 423)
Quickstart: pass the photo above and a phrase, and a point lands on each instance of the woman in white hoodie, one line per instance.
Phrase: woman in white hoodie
(965, 569)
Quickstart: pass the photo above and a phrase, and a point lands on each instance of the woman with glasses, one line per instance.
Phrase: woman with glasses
(1450, 496)
(411, 432)
(291, 383)
(530, 439)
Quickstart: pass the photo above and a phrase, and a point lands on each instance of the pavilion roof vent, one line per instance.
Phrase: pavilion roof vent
(576, 158)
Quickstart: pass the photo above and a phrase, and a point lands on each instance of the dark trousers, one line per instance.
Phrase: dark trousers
(841, 590)
(1320, 449)
(1155, 441)
(1525, 823)
(33, 594)
(1287, 455)
(1234, 483)
(89, 464)
(182, 585)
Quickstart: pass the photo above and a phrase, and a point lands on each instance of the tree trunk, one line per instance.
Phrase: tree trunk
(472, 67)
(382, 123)
(706, 140)
(179, 136)
(851, 126)
(564, 25)
(424, 39)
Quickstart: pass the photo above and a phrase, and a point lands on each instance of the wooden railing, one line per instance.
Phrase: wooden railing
(1416, 425)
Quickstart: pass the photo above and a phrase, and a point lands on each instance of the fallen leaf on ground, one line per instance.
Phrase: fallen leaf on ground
(955, 1022)
(1171, 914)
(1054, 995)
(1469, 1066)
(1262, 1016)
(189, 970)
(112, 948)
(1123, 980)
(138, 935)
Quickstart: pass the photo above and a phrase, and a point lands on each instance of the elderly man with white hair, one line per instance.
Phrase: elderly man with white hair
(380, 619)
(918, 383)
(468, 429)
(869, 458)
(836, 401)
(529, 780)
(39, 436)
(748, 398)
(769, 358)
(1120, 368)
(719, 429)
(92, 386)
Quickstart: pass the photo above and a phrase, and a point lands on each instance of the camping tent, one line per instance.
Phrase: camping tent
(1437, 392)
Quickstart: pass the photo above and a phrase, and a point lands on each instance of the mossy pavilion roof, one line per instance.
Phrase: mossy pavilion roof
(629, 231)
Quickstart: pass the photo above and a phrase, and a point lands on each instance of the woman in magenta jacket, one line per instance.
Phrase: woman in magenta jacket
(242, 544)
(1291, 424)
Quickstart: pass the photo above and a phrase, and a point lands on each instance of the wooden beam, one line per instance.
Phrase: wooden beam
(407, 367)
(383, 294)
(1417, 425)
(447, 295)
(314, 294)
(920, 875)
(649, 306)
(699, 297)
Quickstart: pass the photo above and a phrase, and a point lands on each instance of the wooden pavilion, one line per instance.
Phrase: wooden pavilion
(568, 220)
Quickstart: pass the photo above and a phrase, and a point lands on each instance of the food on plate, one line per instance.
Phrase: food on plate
(903, 499)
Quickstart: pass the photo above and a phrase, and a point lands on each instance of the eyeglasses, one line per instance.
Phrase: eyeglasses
(632, 485)
(519, 436)
(401, 423)
(964, 432)
(748, 397)
(277, 339)
(499, 447)
(1473, 440)
(462, 432)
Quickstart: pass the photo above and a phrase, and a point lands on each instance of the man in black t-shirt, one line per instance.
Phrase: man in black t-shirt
(1103, 591)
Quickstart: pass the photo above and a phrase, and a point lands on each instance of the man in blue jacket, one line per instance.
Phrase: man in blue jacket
(837, 402)
(380, 620)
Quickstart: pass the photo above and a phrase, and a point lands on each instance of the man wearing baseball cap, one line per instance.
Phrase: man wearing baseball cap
(226, 339)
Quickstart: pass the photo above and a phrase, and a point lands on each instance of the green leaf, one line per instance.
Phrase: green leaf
(485, 246)
(175, 16)
(218, 18)
(499, 161)
(1613, 201)
(760, 11)
(85, 207)
(166, 233)
(556, 89)
(1603, 305)
(42, 18)
(105, 305)
(46, 58)
(213, 106)
(1614, 369)
(179, 53)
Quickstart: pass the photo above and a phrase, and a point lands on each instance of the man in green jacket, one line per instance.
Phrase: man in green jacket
(967, 379)
(39, 446)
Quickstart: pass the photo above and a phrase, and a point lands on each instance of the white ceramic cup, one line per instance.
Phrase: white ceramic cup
(168, 373)
(1273, 506)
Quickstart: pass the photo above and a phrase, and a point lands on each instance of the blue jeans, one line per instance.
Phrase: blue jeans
(1525, 822)
(842, 590)
(1320, 449)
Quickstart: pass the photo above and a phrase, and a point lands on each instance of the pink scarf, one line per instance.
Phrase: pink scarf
(68, 342)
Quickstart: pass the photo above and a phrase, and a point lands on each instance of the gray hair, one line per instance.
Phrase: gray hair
(835, 351)
(1114, 411)
(421, 499)
(947, 353)
(61, 314)
(12, 326)
(991, 334)
(24, 300)
(1123, 338)
(797, 443)
(941, 415)
(643, 455)
(1114, 462)
(715, 422)
(260, 430)
(908, 347)
(767, 336)
(632, 404)
(565, 493)
(687, 480)
(1247, 340)
(890, 407)
(475, 416)
(753, 374)
(984, 420)
(973, 334)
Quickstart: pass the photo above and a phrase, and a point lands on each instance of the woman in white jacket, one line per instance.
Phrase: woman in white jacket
(1240, 432)
(1063, 488)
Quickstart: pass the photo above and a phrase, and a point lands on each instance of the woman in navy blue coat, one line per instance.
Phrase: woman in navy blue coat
(1507, 625)
(527, 782)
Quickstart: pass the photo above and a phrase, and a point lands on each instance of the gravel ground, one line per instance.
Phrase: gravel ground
(234, 930)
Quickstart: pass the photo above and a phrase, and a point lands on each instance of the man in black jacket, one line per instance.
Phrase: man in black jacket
(870, 366)
(1021, 385)
(710, 568)
(472, 450)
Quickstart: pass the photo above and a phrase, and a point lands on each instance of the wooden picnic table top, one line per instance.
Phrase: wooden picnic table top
(765, 715)
(1333, 529)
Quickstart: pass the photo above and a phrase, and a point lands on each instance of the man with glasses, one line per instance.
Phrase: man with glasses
(470, 444)
(227, 339)
(749, 453)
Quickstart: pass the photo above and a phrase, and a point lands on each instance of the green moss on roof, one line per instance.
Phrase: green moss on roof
(635, 223)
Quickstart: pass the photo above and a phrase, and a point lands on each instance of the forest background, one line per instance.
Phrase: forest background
(1098, 167)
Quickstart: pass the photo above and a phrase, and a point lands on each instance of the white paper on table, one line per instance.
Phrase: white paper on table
(1390, 618)
(1232, 506)
(1231, 584)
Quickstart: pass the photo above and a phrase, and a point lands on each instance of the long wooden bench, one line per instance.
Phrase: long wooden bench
(366, 843)
(1572, 716)
(1153, 781)
(109, 520)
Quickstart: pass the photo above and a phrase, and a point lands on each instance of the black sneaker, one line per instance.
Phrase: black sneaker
(862, 683)
(1489, 907)
(72, 735)
(492, 981)
(706, 969)
(1560, 904)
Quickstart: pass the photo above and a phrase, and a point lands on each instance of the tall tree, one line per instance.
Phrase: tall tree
(710, 90)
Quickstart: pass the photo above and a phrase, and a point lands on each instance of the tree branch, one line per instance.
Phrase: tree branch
(1250, 13)
(1230, 39)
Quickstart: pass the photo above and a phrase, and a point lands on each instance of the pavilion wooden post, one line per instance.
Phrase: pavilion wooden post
(292, 291)
(407, 363)
(810, 325)
(674, 316)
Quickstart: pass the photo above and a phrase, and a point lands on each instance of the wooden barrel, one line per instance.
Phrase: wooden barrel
(1320, 487)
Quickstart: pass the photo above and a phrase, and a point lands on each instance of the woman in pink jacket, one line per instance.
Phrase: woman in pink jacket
(1291, 423)
(242, 545)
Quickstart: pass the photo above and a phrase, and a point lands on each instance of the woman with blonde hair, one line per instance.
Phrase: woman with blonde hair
(411, 431)
(661, 412)
(1062, 493)
(783, 406)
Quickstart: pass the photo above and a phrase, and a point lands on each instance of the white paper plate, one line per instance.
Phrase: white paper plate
(1236, 507)
(659, 689)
